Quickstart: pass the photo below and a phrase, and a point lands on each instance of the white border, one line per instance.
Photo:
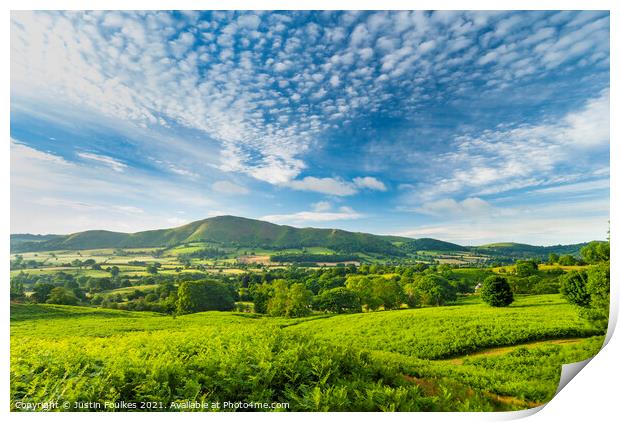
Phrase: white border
(593, 392)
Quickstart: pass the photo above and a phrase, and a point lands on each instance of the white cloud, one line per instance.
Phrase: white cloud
(538, 231)
(336, 186)
(326, 185)
(321, 206)
(114, 164)
(306, 217)
(229, 188)
(517, 157)
(52, 195)
(182, 171)
(575, 188)
(590, 126)
(147, 68)
(469, 207)
(369, 182)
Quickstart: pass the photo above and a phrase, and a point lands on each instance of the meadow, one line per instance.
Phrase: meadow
(467, 356)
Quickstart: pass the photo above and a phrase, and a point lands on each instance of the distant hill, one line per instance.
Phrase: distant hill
(17, 239)
(428, 244)
(522, 250)
(225, 230)
(230, 231)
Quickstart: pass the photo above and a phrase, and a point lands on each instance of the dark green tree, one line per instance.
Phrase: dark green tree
(260, 294)
(41, 291)
(151, 269)
(339, 300)
(17, 289)
(114, 271)
(496, 291)
(62, 296)
(205, 295)
(573, 287)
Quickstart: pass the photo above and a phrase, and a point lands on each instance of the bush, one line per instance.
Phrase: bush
(573, 287)
(598, 289)
(496, 291)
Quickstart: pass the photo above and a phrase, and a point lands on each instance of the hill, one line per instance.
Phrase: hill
(428, 244)
(521, 250)
(227, 231)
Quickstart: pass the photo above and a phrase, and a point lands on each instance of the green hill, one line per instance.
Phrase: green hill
(521, 250)
(427, 244)
(230, 231)
(227, 231)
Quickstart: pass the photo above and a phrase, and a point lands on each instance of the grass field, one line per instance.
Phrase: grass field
(463, 357)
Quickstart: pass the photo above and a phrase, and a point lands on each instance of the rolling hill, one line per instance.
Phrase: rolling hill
(521, 250)
(226, 231)
(230, 231)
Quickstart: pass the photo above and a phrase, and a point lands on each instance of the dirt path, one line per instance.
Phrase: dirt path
(430, 387)
(495, 351)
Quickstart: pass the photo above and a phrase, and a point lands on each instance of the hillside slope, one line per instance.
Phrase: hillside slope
(225, 231)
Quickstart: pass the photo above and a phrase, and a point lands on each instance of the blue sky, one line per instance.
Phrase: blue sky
(470, 127)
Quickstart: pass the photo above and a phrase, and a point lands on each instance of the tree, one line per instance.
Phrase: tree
(151, 269)
(298, 301)
(553, 258)
(62, 296)
(17, 288)
(412, 295)
(567, 260)
(363, 286)
(278, 301)
(595, 252)
(573, 287)
(389, 292)
(114, 271)
(339, 300)
(260, 294)
(431, 289)
(496, 291)
(41, 291)
(526, 268)
(88, 262)
(205, 295)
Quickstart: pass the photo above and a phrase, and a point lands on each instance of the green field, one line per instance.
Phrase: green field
(463, 357)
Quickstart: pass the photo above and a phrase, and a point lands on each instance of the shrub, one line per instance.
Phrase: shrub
(598, 289)
(573, 287)
(496, 291)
